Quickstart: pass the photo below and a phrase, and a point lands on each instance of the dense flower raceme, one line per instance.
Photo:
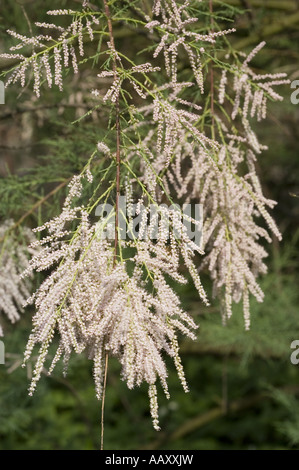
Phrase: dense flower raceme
(232, 206)
(13, 261)
(52, 51)
(174, 23)
(232, 203)
(94, 304)
(198, 168)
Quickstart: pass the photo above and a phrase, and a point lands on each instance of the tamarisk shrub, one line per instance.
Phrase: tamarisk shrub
(175, 134)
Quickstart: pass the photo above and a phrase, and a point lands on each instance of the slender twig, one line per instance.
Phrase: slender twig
(212, 70)
(116, 236)
(117, 127)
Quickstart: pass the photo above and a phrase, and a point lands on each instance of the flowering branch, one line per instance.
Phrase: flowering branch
(111, 296)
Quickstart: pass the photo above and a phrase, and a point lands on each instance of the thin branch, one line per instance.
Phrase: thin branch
(118, 132)
(212, 71)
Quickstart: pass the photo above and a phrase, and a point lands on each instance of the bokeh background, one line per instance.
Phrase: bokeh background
(244, 390)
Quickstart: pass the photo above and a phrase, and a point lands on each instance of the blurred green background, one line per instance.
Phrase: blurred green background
(244, 391)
